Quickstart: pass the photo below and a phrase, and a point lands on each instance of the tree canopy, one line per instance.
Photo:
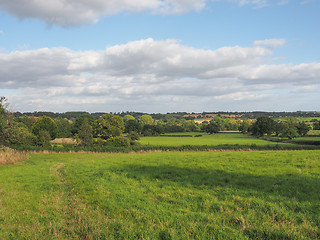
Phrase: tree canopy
(108, 125)
(46, 124)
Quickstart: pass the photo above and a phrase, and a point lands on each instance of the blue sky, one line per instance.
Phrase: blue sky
(160, 56)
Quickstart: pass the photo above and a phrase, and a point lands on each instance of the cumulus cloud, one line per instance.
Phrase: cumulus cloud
(271, 43)
(258, 3)
(306, 89)
(77, 12)
(148, 71)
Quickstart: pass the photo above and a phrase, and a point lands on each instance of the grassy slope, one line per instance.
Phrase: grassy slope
(203, 195)
(214, 139)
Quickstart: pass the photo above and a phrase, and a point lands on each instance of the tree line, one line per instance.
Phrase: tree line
(124, 130)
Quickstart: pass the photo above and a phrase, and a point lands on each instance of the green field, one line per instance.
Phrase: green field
(165, 195)
(305, 119)
(314, 132)
(206, 139)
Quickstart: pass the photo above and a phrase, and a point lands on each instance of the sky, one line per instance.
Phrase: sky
(160, 56)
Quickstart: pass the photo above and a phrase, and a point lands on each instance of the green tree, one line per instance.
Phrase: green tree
(263, 125)
(12, 132)
(64, 127)
(244, 126)
(132, 126)
(4, 120)
(146, 120)
(303, 128)
(128, 117)
(316, 125)
(108, 125)
(288, 130)
(212, 127)
(46, 124)
(85, 133)
(44, 138)
(18, 134)
(79, 121)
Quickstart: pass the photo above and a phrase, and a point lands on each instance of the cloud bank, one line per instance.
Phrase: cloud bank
(163, 75)
(77, 12)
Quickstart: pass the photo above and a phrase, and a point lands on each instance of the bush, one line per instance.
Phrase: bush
(99, 142)
(118, 142)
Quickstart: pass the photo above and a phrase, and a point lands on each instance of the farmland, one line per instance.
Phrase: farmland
(188, 195)
(203, 139)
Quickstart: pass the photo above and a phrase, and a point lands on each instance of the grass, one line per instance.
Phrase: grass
(203, 195)
(206, 139)
(304, 119)
(307, 139)
(314, 133)
(10, 156)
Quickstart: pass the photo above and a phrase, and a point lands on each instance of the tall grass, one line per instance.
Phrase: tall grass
(11, 156)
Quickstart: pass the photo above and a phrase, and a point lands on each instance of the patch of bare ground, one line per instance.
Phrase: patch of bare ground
(69, 141)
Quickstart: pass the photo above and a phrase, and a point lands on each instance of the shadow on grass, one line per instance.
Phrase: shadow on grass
(302, 188)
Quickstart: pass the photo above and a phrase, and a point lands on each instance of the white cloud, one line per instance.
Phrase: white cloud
(145, 72)
(1, 32)
(306, 89)
(77, 12)
(257, 3)
(239, 96)
(271, 43)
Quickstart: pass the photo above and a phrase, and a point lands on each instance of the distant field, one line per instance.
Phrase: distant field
(305, 119)
(206, 139)
(314, 132)
(189, 195)
(308, 138)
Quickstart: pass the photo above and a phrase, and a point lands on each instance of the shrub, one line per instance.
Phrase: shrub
(118, 141)
(99, 141)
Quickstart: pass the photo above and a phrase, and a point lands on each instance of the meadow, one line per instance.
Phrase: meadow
(204, 139)
(162, 195)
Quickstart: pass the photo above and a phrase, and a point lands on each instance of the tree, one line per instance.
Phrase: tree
(212, 127)
(79, 121)
(288, 130)
(302, 128)
(215, 125)
(85, 133)
(244, 126)
(44, 138)
(46, 124)
(128, 117)
(149, 130)
(108, 125)
(146, 120)
(18, 134)
(263, 125)
(64, 127)
(12, 132)
(133, 125)
(316, 125)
